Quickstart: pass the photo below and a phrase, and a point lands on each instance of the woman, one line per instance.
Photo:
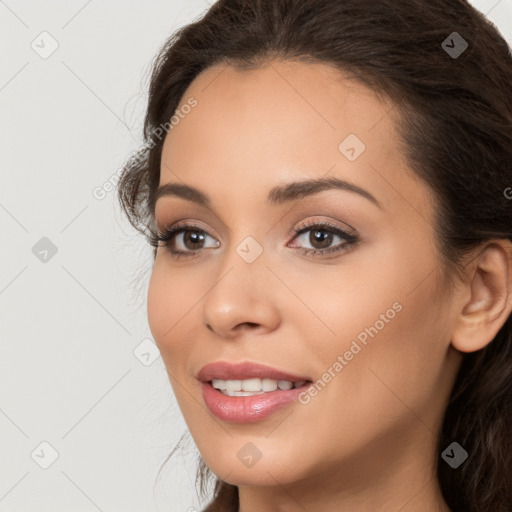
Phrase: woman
(327, 185)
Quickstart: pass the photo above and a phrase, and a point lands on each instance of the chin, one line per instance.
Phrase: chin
(265, 475)
(235, 466)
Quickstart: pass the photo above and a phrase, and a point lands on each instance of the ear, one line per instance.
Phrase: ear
(489, 289)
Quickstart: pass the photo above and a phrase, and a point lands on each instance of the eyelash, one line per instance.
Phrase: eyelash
(168, 234)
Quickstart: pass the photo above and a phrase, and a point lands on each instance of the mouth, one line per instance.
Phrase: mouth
(248, 377)
(248, 392)
(254, 386)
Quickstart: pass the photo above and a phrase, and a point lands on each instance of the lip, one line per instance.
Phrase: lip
(244, 370)
(246, 409)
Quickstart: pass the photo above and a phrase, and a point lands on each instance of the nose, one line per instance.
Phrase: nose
(241, 299)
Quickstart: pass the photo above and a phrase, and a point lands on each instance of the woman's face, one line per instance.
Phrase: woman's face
(366, 318)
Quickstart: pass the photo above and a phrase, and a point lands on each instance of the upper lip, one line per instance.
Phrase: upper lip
(245, 370)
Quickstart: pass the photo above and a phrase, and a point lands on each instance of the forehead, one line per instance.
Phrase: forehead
(280, 104)
(286, 120)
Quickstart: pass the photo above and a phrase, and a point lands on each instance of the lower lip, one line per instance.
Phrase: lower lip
(247, 409)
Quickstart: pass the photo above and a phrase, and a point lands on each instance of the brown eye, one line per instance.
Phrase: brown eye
(320, 238)
(185, 239)
(193, 240)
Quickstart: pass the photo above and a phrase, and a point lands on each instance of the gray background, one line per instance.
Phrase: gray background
(78, 367)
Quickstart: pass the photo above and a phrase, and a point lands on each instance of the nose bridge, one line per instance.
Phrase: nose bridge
(239, 292)
(244, 252)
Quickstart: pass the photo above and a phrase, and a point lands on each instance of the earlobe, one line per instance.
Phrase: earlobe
(490, 298)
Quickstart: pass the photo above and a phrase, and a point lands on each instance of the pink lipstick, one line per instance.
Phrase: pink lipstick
(248, 392)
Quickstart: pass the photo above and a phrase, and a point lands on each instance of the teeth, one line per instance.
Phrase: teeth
(248, 387)
(250, 384)
(241, 393)
(219, 384)
(285, 384)
(233, 385)
(268, 385)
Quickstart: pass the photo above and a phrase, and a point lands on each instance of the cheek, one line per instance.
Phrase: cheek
(390, 331)
(167, 308)
(159, 305)
(392, 354)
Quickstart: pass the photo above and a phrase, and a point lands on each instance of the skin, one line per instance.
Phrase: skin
(367, 441)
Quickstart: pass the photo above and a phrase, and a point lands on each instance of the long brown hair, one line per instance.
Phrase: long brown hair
(455, 105)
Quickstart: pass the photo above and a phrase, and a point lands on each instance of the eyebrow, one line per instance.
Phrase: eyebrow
(278, 195)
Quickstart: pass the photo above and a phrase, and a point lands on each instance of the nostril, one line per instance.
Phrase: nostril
(248, 325)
